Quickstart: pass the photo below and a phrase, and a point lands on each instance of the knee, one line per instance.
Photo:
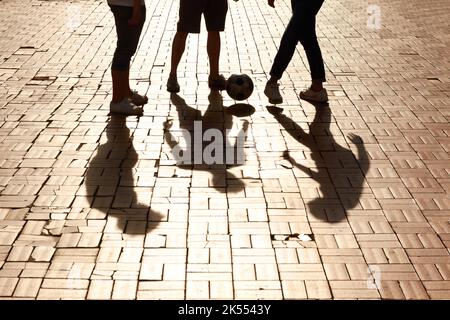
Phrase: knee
(214, 37)
(289, 41)
(121, 60)
(308, 39)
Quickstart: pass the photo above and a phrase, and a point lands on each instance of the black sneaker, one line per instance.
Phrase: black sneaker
(172, 85)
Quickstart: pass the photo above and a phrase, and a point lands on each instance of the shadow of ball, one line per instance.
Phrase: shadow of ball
(240, 110)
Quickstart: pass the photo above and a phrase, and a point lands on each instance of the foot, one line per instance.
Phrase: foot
(126, 107)
(273, 93)
(217, 83)
(316, 96)
(137, 99)
(172, 85)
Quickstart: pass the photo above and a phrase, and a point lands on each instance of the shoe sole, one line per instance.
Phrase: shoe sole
(313, 100)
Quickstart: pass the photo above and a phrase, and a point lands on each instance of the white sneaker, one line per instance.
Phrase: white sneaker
(273, 93)
(137, 99)
(126, 107)
(316, 96)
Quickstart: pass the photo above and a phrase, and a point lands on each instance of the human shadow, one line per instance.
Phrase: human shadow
(110, 181)
(209, 143)
(339, 173)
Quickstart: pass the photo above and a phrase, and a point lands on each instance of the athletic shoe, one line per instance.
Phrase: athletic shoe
(172, 85)
(137, 99)
(217, 83)
(315, 96)
(273, 93)
(126, 107)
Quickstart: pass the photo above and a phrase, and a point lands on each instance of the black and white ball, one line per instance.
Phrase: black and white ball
(239, 86)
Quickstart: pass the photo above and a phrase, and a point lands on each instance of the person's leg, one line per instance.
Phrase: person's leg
(178, 47)
(120, 63)
(215, 12)
(189, 20)
(127, 42)
(134, 34)
(213, 48)
(307, 11)
(120, 90)
(287, 47)
(284, 55)
(308, 39)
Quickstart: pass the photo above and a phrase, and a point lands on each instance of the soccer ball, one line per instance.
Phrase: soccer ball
(239, 86)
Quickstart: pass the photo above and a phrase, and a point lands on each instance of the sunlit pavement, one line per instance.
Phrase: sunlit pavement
(349, 200)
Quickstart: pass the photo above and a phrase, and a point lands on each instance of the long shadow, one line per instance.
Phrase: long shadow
(110, 182)
(339, 173)
(188, 143)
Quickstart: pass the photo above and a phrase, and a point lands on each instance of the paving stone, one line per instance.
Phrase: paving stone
(293, 289)
(20, 253)
(100, 289)
(95, 206)
(317, 289)
(28, 287)
(124, 290)
(7, 286)
(61, 294)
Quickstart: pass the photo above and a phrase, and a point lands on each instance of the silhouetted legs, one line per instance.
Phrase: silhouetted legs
(301, 28)
(213, 48)
(124, 100)
(178, 46)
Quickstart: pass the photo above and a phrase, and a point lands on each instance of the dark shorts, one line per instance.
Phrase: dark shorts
(215, 12)
(127, 36)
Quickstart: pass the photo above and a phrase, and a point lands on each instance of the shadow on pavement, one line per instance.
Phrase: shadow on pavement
(110, 180)
(240, 110)
(187, 145)
(339, 173)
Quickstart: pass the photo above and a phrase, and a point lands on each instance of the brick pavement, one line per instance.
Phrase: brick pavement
(346, 202)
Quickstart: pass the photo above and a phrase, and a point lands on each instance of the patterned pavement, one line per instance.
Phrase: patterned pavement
(349, 201)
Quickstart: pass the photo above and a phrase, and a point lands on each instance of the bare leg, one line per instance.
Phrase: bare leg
(316, 85)
(121, 85)
(213, 47)
(127, 85)
(178, 46)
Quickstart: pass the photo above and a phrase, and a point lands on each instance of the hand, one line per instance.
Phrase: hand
(135, 18)
(168, 124)
(271, 3)
(354, 138)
